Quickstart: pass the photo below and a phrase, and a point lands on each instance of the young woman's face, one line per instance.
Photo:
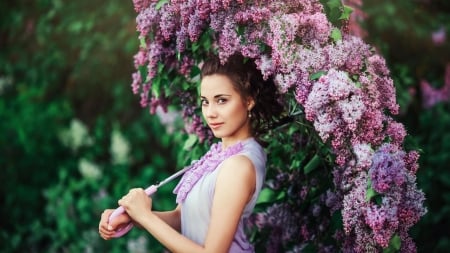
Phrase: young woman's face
(223, 108)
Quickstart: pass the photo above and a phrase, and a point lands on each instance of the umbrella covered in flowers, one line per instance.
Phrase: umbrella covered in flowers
(345, 180)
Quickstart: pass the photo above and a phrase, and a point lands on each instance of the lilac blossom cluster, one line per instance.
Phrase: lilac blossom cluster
(343, 86)
(432, 96)
(399, 204)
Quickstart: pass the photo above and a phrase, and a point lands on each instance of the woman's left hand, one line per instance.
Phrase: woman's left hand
(137, 204)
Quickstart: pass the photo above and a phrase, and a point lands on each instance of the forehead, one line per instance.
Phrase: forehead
(216, 84)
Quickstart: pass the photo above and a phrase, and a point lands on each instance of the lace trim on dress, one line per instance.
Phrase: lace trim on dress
(205, 164)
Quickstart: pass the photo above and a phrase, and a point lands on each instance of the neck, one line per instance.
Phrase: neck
(227, 142)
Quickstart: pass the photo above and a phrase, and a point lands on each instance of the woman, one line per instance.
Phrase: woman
(220, 190)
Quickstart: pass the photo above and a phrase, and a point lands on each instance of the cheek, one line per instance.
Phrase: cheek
(239, 112)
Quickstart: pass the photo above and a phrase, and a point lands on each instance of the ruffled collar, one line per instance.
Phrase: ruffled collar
(205, 164)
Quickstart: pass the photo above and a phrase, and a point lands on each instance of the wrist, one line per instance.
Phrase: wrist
(144, 218)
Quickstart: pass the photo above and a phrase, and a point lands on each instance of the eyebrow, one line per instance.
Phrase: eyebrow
(217, 96)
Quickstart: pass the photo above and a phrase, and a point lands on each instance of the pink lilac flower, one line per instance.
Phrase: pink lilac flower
(354, 203)
(411, 207)
(185, 66)
(140, 5)
(432, 96)
(314, 27)
(334, 105)
(145, 94)
(364, 154)
(140, 59)
(439, 36)
(228, 40)
(411, 161)
(356, 17)
(264, 64)
(386, 90)
(396, 131)
(256, 14)
(137, 82)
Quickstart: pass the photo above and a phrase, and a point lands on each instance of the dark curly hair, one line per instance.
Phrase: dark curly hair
(249, 82)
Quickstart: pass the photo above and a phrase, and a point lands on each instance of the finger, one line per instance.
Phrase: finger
(106, 233)
(121, 202)
(105, 215)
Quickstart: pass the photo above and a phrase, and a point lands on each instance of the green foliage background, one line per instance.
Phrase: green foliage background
(68, 64)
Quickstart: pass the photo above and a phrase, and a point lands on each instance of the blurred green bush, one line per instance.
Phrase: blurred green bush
(74, 138)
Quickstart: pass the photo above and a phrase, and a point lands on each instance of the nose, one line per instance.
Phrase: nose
(209, 111)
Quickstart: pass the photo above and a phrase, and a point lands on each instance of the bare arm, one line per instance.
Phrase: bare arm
(234, 188)
(172, 218)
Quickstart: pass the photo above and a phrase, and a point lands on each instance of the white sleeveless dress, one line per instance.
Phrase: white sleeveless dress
(196, 208)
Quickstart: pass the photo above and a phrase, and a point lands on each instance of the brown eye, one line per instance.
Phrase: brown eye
(203, 102)
(221, 101)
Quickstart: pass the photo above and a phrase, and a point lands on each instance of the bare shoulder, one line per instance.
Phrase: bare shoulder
(237, 169)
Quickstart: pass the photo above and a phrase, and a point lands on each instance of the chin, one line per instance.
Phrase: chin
(219, 134)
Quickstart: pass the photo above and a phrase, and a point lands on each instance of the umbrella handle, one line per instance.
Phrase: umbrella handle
(120, 210)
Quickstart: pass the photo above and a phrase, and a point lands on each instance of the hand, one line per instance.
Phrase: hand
(106, 229)
(137, 204)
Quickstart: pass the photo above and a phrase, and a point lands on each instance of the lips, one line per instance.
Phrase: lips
(215, 125)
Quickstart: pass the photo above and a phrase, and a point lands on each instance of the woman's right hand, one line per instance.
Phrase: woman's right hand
(106, 229)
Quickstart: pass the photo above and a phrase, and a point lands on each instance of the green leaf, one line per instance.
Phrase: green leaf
(143, 72)
(370, 193)
(195, 70)
(333, 8)
(336, 34)
(312, 164)
(190, 142)
(161, 3)
(268, 195)
(394, 245)
(345, 15)
(317, 75)
(142, 42)
(156, 85)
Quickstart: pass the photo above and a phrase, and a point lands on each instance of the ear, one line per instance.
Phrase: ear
(250, 103)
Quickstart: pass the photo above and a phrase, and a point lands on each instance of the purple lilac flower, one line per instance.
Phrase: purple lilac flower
(383, 222)
(411, 208)
(388, 168)
(169, 21)
(146, 19)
